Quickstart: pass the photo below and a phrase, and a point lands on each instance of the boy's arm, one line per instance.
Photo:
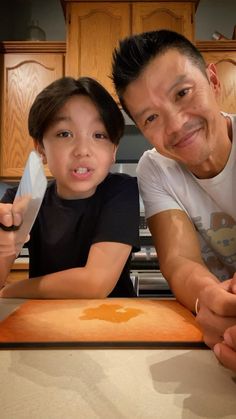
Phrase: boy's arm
(96, 280)
(181, 263)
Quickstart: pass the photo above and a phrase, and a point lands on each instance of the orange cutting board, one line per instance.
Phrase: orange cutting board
(114, 322)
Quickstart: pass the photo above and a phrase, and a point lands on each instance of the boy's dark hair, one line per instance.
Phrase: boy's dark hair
(49, 101)
(136, 52)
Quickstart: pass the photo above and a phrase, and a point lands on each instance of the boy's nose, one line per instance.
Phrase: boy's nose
(81, 147)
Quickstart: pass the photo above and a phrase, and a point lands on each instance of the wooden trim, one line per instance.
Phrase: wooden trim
(205, 46)
(20, 266)
(32, 46)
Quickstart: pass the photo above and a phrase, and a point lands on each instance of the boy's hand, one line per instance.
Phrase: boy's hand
(11, 217)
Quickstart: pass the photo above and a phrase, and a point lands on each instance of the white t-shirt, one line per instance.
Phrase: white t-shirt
(210, 203)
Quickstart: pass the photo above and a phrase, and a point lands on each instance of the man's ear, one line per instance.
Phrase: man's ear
(213, 77)
(40, 149)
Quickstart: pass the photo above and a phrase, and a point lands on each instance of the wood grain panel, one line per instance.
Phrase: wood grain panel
(25, 75)
(94, 30)
(157, 15)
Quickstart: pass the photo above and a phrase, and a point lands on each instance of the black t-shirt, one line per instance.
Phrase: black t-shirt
(64, 230)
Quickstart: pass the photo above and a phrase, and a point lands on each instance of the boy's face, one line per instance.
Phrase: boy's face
(77, 149)
(175, 106)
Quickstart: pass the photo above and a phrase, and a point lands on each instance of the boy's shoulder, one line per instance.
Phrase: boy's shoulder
(120, 178)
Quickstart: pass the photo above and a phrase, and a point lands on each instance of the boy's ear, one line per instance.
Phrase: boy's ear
(213, 77)
(40, 149)
(114, 153)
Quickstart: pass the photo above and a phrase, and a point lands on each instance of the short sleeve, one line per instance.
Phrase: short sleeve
(119, 217)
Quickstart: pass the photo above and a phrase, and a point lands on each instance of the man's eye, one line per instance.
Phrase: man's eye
(183, 92)
(64, 134)
(151, 118)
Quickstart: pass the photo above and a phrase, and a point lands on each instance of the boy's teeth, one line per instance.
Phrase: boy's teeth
(82, 170)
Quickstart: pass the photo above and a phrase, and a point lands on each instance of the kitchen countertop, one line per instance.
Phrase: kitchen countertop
(113, 383)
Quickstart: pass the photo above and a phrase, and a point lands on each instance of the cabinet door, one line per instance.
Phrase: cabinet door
(25, 75)
(225, 62)
(178, 17)
(94, 30)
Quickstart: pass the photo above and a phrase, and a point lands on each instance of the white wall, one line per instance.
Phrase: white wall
(214, 15)
(15, 15)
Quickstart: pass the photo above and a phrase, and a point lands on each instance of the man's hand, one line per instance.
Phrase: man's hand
(217, 311)
(226, 351)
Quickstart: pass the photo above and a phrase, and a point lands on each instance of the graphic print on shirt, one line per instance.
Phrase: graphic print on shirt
(221, 236)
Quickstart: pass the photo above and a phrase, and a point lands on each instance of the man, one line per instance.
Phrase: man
(186, 180)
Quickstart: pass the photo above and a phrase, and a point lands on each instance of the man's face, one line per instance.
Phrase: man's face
(174, 105)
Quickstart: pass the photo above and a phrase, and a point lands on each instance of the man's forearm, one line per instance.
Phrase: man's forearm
(187, 279)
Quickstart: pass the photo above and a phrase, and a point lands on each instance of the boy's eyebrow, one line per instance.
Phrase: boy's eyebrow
(58, 118)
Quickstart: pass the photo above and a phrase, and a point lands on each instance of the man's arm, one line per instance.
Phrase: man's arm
(96, 280)
(181, 263)
(179, 255)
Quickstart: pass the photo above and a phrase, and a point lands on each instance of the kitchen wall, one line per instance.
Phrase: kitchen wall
(17, 15)
(211, 15)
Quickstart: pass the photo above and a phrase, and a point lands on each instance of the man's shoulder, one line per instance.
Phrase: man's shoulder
(152, 160)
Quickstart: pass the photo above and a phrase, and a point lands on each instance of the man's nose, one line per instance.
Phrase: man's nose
(174, 121)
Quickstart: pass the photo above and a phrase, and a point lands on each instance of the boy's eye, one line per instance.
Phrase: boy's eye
(101, 135)
(151, 118)
(64, 134)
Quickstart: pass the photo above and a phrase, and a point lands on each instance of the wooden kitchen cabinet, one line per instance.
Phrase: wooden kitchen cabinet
(223, 55)
(18, 272)
(26, 68)
(95, 28)
(177, 16)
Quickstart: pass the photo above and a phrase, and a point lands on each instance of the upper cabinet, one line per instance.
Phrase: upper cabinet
(178, 16)
(26, 68)
(95, 28)
(223, 55)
